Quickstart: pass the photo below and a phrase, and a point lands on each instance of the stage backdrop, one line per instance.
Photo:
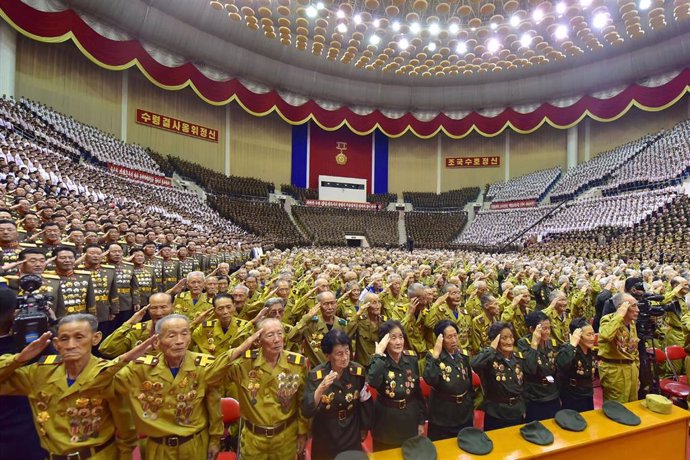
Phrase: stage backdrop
(341, 153)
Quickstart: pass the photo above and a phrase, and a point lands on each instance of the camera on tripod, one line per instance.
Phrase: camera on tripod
(33, 318)
(650, 309)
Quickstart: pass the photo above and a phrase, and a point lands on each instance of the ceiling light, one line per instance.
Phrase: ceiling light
(376, 22)
(600, 20)
(415, 27)
(340, 14)
(396, 26)
(526, 40)
(561, 32)
(514, 20)
(453, 28)
(358, 19)
(493, 45)
(461, 48)
(374, 39)
(403, 44)
(493, 26)
(585, 3)
(432, 46)
(311, 11)
(645, 4)
(319, 6)
(538, 15)
(560, 8)
(434, 29)
(342, 28)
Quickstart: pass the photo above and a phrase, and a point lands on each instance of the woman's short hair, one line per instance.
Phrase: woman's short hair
(496, 328)
(534, 318)
(332, 338)
(388, 326)
(578, 322)
(442, 325)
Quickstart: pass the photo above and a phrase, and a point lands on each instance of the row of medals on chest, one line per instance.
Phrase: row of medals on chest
(152, 399)
(392, 382)
(73, 291)
(85, 417)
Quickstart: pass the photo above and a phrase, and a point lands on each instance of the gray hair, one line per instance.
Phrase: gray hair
(621, 297)
(191, 275)
(266, 321)
(79, 317)
(486, 299)
(163, 321)
(350, 285)
(393, 277)
(580, 283)
(320, 295)
(413, 289)
(243, 288)
(556, 293)
(272, 301)
(520, 289)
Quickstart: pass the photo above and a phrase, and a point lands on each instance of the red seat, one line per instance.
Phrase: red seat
(373, 392)
(230, 408)
(596, 340)
(659, 355)
(674, 389)
(476, 381)
(426, 389)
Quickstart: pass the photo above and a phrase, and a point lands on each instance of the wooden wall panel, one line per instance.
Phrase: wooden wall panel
(411, 164)
(543, 149)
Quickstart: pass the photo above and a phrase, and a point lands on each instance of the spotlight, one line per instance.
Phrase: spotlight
(434, 29)
(538, 15)
(432, 46)
(561, 32)
(525, 40)
(461, 48)
(514, 21)
(396, 26)
(374, 39)
(453, 28)
(342, 28)
(493, 26)
(403, 44)
(415, 27)
(376, 22)
(585, 3)
(340, 14)
(358, 19)
(319, 6)
(645, 4)
(311, 12)
(493, 45)
(600, 20)
(560, 8)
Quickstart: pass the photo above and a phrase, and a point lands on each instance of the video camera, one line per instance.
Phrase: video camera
(33, 318)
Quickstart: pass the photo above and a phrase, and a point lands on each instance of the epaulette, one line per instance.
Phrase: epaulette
(82, 272)
(209, 323)
(554, 342)
(342, 321)
(384, 317)
(441, 308)
(318, 374)
(462, 351)
(409, 353)
(128, 263)
(519, 354)
(50, 359)
(107, 266)
(481, 320)
(149, 360)
(11, 277)
(356, 369)
(67, 243)
(27, 245)
(296, 358)
(251, 354)
(204, 360)
(50, 276)
(138, 326)
(240, 321)
(315, 318)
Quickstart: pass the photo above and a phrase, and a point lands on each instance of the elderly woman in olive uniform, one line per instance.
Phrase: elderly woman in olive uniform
(449, 374)
(575, 363)
(501, 370)
(541, 390)
(399, 412)
(336, 397)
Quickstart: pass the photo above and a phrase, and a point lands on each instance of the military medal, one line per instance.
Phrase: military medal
(253, 385)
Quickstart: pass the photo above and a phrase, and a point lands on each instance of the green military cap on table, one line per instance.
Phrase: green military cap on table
(570, 420)
(418, 448)
(657, 403)
(619, 413)
(352, 455)
(536, 433)
(474, 441)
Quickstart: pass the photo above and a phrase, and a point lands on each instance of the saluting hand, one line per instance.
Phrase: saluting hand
(244, 346)
(575, 337)
(623, 309)
(139, 350)
(314, 310)
(494, 342)
(438, 346)
(536, 336)
(200, 318)
(137, 316)
(34, 348)
(259, 316)
(383, 344)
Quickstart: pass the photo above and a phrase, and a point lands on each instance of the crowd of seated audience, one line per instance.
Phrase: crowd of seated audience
(220, 184)
(493, 229)
(434, 230)
(95, 144)
(598, 170)
(533, 186)
(663, 162)
(262, 218)
(614, 211)
(664, 236)
(328, 226)
(382, 198)
(162, 161)
(453, 199)
(300, 193)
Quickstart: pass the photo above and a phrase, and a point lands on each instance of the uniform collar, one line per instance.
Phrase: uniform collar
(59, 378)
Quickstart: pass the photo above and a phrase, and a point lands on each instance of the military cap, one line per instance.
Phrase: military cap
(619, 413)
(658, 403)
(474, 441)
(570, 420)
(418, 448)
(352, 455)
(536, 433)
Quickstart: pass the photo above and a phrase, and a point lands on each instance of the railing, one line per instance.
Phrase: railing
(516, 237)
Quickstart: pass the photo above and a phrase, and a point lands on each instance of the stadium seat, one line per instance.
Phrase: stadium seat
(230, 408)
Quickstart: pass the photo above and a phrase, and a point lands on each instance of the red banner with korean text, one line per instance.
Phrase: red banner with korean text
(166, 123)
(140, 175)
(345, 204)
(514, 204)
(473, 162)
(339, 153)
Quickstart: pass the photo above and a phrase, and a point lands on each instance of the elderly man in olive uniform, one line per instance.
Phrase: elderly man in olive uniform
(556, 312)
(76, 412)
(452, 312)
(515, 312)
(413, 322)
(193, 302)
(134, 331)
(315, 324)
(482, 322)
(619, 367)
(363, 329)
(271, 384)
(216, 336)
(174, 395)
